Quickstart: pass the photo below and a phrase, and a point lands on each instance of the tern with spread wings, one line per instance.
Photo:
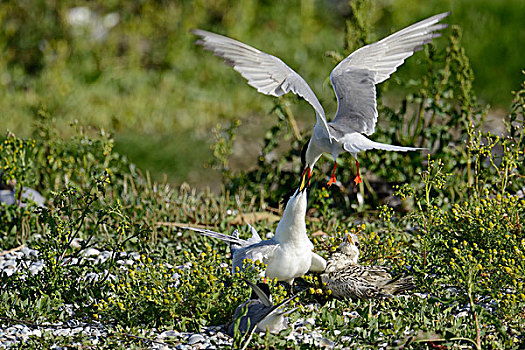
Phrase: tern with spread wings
(353, 79)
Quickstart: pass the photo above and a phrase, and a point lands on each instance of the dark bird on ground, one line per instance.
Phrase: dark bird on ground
(260, 312)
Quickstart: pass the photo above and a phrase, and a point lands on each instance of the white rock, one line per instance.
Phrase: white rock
(170, 333)
(9, 263)
(77, 330)
(64, 332)
(91, 252)
(76, 243)
(310, 321)
(326, 343)
(196, 338)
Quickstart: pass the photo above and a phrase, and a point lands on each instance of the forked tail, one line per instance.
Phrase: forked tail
(387, 147)
(225, 238)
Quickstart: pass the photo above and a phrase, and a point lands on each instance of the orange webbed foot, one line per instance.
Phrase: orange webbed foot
(332, 179)
(358, 180)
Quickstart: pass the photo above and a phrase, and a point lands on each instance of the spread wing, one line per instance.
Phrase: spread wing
(355, 77)
(267, 73)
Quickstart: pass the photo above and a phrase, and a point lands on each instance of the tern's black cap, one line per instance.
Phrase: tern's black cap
(303, 154)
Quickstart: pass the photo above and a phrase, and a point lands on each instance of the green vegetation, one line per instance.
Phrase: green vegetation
(455, 222)
(145, 81)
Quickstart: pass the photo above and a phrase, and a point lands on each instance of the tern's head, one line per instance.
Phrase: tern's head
(350, 248)
(293, 222)
(307, 172)
(296, 201)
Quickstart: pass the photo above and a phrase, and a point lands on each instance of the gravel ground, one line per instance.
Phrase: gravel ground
(14, 333)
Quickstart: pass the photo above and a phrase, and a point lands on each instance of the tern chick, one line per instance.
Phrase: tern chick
(347, 279)
(261, 312)
(288, 255)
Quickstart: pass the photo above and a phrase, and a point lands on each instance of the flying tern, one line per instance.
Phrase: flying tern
(347, 279)
(353, 80)
(288, 254)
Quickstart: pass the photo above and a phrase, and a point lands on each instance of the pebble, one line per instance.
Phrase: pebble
(196, 338)
(170, 333)
(211, 337)
(326, 343)
(91, 252)
(310, 321)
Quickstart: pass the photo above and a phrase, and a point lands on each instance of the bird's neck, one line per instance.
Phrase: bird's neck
(315, 148)
(292, 227)
(291, 230)
(337, 261)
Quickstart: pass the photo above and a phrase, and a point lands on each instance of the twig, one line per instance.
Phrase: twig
(444, 340)
(179, 224)
(12, 250)
(478, 333)
(292, 122)
(29, 323)
(249, 338)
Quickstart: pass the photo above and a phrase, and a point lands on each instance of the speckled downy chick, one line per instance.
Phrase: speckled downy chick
(261, 312)
(347, 279)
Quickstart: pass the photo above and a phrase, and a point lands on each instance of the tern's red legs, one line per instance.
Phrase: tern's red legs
(357, 179)
(332, 179)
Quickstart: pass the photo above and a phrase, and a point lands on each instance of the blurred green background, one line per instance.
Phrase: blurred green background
(131, 67)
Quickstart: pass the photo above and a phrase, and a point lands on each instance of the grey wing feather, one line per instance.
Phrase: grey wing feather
(260, 251)
(356, 101)
(255, 235)
(260, 294)
(355, 77)
(267, 73)
(276, 308)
